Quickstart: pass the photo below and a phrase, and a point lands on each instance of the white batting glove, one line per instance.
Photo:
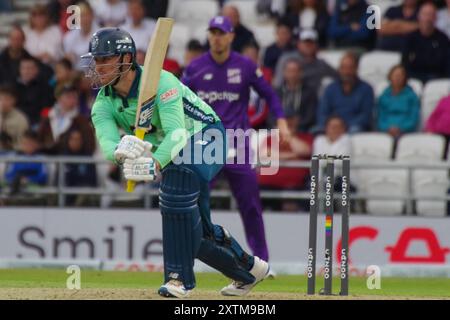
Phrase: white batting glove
(131, 147)
(140, 169)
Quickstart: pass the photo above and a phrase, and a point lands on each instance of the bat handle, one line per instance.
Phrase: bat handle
(140, 133)
(130, 185)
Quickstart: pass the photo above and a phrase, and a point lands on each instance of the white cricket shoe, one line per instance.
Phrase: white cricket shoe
(173, 289)
(259, 270)
(271, 275)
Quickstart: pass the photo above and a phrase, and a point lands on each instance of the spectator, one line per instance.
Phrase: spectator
(398, 105)
(309, 14)
(64, 73)
(58, 13)
(194, 49)
(348, 25)
(110, 13)
(298, 148)
(78, 174)
(258, 109)
(314, 69)
(439, 120)
(283, 43)
(63, 118)
(397, 23)
(242, 35)
(427, 50)
(298, 97)
(12, 54)
(43, 40)
(25, 174)
(76, 41)
(140, 27)
(12, 121)
(35, 92)
(348, 97)
(443, 19)
(335, 140)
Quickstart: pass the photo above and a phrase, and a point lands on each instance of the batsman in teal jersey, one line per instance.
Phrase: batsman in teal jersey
(181, 123)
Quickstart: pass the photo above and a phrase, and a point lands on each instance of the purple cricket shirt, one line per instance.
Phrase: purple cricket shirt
(226, 87)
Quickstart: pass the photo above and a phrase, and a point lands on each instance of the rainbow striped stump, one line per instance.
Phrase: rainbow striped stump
(328, 225)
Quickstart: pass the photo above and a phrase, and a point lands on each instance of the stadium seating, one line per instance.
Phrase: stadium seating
(264, 34)
(332, 57)
(423, 148)
(374, 66)
(178, 40)
(371, 148)
(434, 91)
(247, 10)
(387, 182)
(193, 12)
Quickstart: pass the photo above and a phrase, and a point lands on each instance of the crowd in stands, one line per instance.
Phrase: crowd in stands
(45, 101)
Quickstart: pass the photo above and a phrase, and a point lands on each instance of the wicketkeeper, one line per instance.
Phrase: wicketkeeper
(181, 123)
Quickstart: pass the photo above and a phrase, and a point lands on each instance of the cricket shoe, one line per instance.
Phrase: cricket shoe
(271, 274)
(173, 289)
(259, 270)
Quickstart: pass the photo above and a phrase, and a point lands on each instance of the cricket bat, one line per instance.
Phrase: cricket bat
(153, 64)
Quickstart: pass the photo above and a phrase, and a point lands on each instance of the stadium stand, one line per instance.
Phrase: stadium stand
(192, 18)
(425, 148)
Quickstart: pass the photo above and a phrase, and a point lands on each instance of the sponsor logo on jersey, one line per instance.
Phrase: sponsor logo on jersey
(234, 75)
(208, 76)
(213, 96)
(197, 113)
(169, 95)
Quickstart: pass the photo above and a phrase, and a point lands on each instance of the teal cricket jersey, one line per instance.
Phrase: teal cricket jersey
(178, 114)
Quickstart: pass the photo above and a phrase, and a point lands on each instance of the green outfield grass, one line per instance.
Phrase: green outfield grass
(56, 278)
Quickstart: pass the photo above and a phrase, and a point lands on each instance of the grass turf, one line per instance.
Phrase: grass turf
(56, 278)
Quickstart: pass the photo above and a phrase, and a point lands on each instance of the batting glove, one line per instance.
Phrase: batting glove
(131, 147)
(140, 169)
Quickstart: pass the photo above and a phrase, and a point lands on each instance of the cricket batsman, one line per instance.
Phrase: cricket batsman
(223, 79)
(188, 231)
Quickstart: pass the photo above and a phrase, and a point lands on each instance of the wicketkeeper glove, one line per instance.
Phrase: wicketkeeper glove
(131, 147)
(140, 169)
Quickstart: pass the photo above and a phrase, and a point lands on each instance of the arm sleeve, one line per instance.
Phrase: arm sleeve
(186, 77)
(263, 88)
(171, 114)
(106, 129)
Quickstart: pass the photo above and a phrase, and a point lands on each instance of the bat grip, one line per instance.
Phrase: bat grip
(140, 133)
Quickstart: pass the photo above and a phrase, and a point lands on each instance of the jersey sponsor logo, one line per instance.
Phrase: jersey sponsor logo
(208, 76)
(196, 113)
(234, 75)
(169, 95)
(213, 96)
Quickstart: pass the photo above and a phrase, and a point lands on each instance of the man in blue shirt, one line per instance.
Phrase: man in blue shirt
(348, 97)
